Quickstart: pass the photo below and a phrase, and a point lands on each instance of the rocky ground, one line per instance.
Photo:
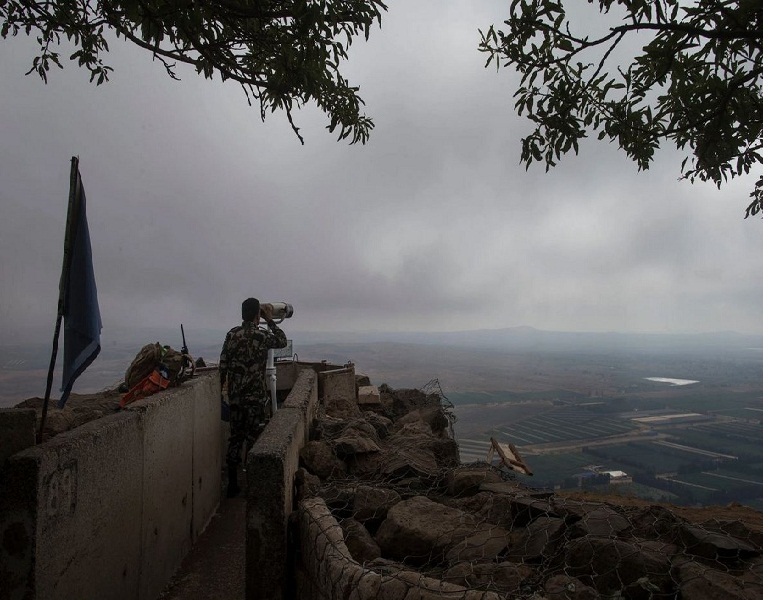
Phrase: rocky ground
(390, 475)
(79, 410)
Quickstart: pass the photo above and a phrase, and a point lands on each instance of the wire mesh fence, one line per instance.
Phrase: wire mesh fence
(387, 511)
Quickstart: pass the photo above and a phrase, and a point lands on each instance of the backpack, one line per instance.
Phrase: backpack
(149, 358)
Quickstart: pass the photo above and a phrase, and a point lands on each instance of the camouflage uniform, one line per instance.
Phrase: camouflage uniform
(243, 362)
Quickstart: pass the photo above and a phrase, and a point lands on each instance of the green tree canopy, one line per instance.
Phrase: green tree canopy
(696, 81)
(284, 53)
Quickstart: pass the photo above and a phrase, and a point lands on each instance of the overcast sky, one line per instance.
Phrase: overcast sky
(195, 204)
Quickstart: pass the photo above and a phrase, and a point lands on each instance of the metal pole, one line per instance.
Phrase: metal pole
(63, 285)
(272, 376)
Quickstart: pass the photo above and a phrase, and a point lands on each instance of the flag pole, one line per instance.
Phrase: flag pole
(63, 284)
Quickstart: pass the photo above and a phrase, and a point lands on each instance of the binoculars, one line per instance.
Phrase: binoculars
(280, 310)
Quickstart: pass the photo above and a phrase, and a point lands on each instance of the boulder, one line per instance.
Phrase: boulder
(338, 498)
(341, 405)
(601, 522)
(614, 566)
(698, 582)
(327, 428)
(466, 481)
(655, 522)
(359, 427)
(372, 503)
(358, 437)
(419, 530)
(319, 459)
(502, 577)
(504, 487)
(446, 452)
(359, 542)
(544, 536)
(666, 550)
(365, 466)
(563, 587)
(432, 416)
(354, 444)
(737, 530)
(487, 507)
(380, 423)
(709, 544)
(526, 509)
(307, 485)
(488, 543)
(406, 400)
(404, 461)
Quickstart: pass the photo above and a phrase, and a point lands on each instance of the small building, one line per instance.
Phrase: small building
(616, 477)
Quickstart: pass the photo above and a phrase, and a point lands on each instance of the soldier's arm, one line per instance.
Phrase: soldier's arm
(275, 338)
(223, 362)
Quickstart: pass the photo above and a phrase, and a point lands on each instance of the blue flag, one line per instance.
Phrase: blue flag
(80, 305)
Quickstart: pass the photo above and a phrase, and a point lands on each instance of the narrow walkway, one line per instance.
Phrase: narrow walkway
(215, 568)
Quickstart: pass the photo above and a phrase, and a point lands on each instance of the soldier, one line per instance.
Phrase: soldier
(242, 367)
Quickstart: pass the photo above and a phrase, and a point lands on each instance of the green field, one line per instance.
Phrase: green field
(552, 469)
(690, 476)
(560, 425)
(648, 457)
(478, 397)
(736, 438)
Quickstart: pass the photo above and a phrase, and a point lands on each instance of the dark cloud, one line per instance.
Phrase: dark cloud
(194, 203)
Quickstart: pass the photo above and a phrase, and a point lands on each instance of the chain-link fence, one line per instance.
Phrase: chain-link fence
(388, 512)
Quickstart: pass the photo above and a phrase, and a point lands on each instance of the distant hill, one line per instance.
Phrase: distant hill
(529, 338)
(488, 359)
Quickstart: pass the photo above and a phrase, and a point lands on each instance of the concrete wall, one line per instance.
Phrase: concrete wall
(271, 464)
(108, 510)
(17, 431)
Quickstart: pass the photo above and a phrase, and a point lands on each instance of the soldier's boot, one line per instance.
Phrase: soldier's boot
(232, 485)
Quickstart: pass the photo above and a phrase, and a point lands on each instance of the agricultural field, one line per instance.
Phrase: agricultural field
(687, 463)
(496, 396)
(736, 438)
(648, 457)
(568, 424)
(550, 470)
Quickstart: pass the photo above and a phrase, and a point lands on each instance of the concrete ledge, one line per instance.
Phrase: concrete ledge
(271, 464)
(304, 397)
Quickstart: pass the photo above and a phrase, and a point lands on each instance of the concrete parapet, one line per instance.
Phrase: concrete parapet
(272, 463)
(304, 397)
(329, 571)
(338, 391)
(288, 371)
(78, 498)
(368, 396)
(338, 382)
(107, 510)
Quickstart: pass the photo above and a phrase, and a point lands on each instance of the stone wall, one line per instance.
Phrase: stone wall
(330, 572)
(109, 509)
(387, 513)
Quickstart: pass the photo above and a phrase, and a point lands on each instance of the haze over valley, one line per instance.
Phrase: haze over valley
(680, 415)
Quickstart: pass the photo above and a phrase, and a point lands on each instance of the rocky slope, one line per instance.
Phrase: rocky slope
(391, 477)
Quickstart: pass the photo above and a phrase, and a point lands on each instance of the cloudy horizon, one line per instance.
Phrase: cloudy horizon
(195, 204)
